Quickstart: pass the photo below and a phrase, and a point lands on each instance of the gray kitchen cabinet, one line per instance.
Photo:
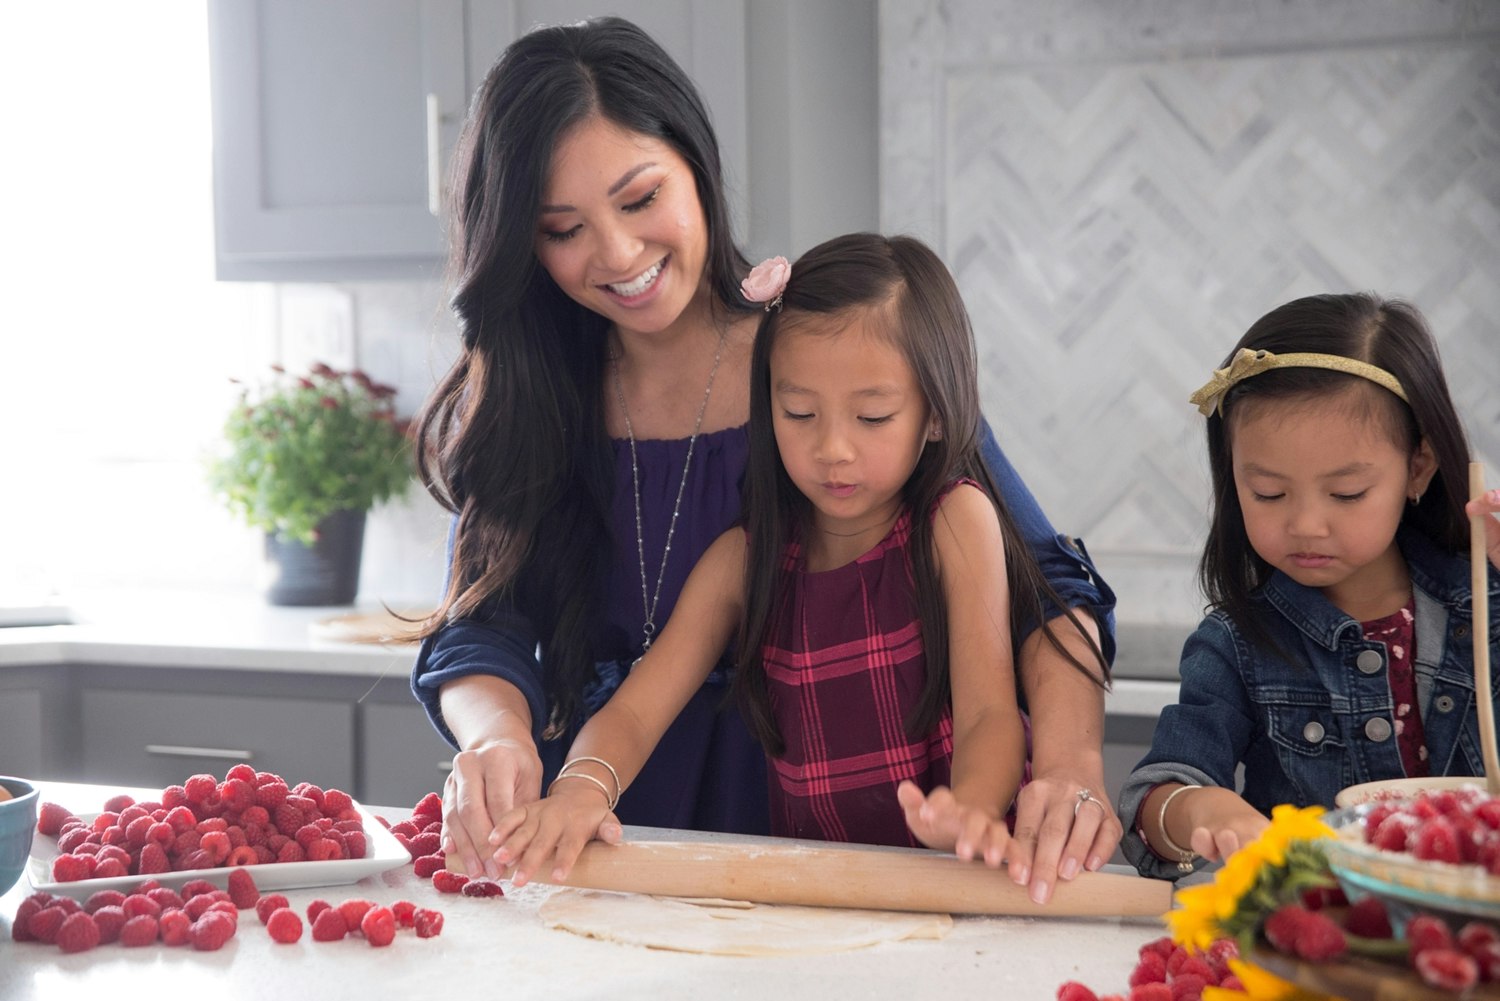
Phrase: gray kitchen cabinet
(334, 121)
(402, 755)
(158, 738)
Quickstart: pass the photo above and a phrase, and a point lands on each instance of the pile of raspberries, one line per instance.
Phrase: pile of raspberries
(248, 818)
(205, 917)
(421, 836)
(1168, 972)
(1456, 826)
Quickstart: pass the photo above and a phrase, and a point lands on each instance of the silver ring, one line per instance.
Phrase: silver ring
(1085, 796)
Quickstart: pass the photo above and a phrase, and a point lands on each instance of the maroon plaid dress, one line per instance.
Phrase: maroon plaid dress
(844, 669)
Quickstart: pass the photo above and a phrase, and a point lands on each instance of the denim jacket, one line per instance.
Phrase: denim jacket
(1303, 730)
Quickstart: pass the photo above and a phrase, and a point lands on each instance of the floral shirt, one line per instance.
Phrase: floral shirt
(1398, 632)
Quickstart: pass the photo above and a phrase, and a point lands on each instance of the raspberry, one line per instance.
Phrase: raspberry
(447, 881)
(1194, 966)
(317, 907)
(403, 911)
(1296, 931)
(482, 888)
(243, 892)
(1437, 841)
(288, 817)
(1476, 935)
(312, 792)
(268, 905)
(354, 911)
(1367, 918)
(236, 795)
(406, 829)
(284, 925)
(164, 896)
(110, 919)
(173, 796)
(242, 772)
(174, 926)
(355, 842)
(428, 865)
(291, 852)
(216, 844)
(424, 844)
(199, 787)
(50, 818)
(1425, 932)
(1188, 987)
(1487, 955)
(211, 931)
(103, 898)
(138, 931)
(66, 904)
(1151, 992)
(428, 922)
(1151, 969)
(78, 933)
(194, 887)
(20, 926)
(378, 925)
(429, 807)
(72, 840)
(44, 923)
(1074, 991)
(139, 903)
(271, 794)
(1392, 834)
(257, 815)
(117, 803)
(336, 801)
(153, 860)
(1445, 969)
(329, 926)
(70, 868)
(324, 850)
(161, 833)
(110, 868)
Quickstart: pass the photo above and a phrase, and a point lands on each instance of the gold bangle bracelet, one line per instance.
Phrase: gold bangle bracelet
(1185, 856)
(584, 775)
(613, 800)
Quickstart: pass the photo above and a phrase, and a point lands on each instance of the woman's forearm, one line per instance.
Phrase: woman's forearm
(1065, 705)
(480, 708)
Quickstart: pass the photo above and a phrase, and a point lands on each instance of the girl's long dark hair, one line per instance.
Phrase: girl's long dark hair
(901, 281)
(1386, 333)
(513, 440)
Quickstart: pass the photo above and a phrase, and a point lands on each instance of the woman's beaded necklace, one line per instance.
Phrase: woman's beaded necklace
(648, 604)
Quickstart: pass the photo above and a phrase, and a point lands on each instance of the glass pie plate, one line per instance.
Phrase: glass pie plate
(1407, 884)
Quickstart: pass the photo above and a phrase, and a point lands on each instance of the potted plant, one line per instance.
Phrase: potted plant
(305, 458)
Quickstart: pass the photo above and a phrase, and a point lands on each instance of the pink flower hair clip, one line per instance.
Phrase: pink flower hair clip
(766, 281)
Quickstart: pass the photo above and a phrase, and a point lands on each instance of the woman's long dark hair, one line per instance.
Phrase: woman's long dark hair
(513, 440)
(1386, 333)
(901, 281)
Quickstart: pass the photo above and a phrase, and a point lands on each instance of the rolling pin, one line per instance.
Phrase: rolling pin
(819, 874)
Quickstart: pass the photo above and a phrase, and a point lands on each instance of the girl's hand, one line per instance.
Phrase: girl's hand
(1487, 505)
(940, 821)
(487, 782)
(553, 830)
(1223, 822)
(1218, 843)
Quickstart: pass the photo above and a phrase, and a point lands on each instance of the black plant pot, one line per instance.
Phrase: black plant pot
(324, 573)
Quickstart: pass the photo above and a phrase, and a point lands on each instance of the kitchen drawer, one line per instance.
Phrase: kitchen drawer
(160, 738)
(21, 733)
(403, 756)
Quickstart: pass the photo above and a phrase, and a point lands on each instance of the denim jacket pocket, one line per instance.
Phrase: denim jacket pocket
(1309, 745)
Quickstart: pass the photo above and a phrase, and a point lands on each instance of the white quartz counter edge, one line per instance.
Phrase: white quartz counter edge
(201, 631)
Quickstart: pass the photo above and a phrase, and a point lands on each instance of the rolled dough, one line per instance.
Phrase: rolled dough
(730, 928)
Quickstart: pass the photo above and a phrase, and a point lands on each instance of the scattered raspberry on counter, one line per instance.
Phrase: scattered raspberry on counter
(447, 881)
(284, 925)
(480, 888)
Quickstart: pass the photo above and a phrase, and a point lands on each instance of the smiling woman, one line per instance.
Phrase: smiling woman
(117, 338)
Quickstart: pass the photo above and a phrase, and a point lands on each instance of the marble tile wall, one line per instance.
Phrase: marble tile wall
(1122, 188)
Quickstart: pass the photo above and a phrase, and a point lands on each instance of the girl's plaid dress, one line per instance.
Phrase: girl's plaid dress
(844, 669)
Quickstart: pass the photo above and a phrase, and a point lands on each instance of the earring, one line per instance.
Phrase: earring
(935, 434)
(1414, 499)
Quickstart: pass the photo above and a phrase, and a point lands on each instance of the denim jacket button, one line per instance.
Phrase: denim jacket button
(1378, 729)
(1444, 703)
(1313, 732)
(1369, 662)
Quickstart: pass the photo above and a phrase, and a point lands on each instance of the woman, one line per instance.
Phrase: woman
(590, 440)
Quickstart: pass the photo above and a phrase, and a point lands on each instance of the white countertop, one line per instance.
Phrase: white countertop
(498, 947)
(182, 629)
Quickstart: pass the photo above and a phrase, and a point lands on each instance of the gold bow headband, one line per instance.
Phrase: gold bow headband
(1248, 362)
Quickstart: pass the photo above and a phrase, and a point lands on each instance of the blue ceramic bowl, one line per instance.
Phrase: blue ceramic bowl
(17, 826)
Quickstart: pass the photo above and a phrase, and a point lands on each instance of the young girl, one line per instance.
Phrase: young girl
(874, 588)
(1338, 650)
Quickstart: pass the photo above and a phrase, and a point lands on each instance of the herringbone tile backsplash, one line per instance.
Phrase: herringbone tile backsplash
(1121, 189)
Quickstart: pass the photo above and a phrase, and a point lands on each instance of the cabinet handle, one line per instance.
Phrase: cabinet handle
(434, 156)
(182, 751)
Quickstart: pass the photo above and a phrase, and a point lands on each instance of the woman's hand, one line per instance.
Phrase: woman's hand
(942, 822)
(1059, 833)
(554, 829)
(487, 782)
(1487, 505)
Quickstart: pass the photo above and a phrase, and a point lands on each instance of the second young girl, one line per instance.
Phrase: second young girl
(1338, 650)
(874, 588)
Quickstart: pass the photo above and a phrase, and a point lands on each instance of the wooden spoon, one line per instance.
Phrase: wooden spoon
(1479, 584)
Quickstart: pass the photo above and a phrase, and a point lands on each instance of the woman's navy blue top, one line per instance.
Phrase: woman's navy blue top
(707, 773)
